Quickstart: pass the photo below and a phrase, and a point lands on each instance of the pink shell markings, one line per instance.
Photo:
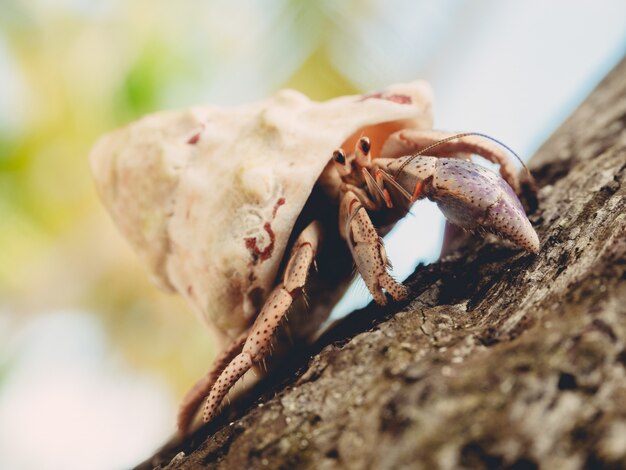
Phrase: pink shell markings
(251, 242)
(396, 98)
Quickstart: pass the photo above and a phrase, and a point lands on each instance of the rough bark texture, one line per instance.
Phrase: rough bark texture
(500, 360)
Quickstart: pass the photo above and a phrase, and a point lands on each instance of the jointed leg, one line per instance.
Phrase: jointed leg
(201, 389)
(367, 249)
(260, 335)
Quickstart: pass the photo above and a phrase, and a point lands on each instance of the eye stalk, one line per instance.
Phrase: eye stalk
(362, 152)
(364, 145)
(343, 162)
(339, 156)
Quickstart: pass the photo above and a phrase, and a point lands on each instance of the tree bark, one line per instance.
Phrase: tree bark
(501, 359)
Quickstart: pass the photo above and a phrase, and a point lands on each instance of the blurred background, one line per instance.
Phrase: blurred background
(93, 359)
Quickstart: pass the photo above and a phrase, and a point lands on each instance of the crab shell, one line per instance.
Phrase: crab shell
(209, 196)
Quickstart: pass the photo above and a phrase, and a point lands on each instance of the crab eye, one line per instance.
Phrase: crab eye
(364, 145)
(339, 156)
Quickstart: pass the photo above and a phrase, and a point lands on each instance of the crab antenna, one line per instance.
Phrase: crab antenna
(459, 136)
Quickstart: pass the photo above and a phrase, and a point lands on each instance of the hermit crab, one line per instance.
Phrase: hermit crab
(231, 207)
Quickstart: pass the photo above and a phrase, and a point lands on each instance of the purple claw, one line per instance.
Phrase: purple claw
(475, 197)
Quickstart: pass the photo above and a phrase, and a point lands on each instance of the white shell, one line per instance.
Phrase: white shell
(200, 193)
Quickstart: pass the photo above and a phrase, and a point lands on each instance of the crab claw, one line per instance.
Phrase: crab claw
(474, 197)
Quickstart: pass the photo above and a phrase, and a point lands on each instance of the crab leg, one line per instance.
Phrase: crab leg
(202, 388)
(258, 340)
(367, 249)
(410, 141)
